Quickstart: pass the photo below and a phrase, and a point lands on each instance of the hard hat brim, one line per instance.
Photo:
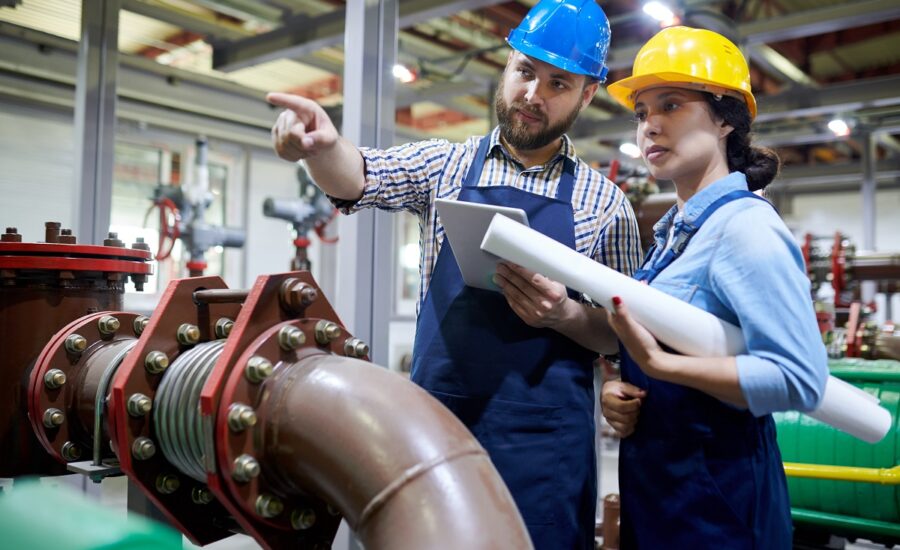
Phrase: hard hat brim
(625, 90)
(558, 61)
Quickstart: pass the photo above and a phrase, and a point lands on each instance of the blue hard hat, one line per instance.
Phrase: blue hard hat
(570, 34)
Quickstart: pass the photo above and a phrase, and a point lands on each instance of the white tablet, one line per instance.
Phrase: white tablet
(465, 224)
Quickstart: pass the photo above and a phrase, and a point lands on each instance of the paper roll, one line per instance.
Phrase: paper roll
(843, 406)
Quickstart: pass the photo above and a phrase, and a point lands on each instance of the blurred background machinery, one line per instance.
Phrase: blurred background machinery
(231, 410)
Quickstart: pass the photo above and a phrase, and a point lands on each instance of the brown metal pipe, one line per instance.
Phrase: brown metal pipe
(404, 472)
(221, 296)
(611, 514)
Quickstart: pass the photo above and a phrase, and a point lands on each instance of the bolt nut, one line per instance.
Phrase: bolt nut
(245, 468)
(201, 495)
(54, 418)
(303, 519)
(75, 343)
(108, 325)
(54, 378)
(290, 338)
(241, 417)
(258, 369)
(156, 362)
(354, 347)
(71, 451)
(295, 294)
(167, 483)
(223, 327)
(188, 334)
(268, 506)
(327, 331)
(140, 323)
(139, 405)
(143, 448)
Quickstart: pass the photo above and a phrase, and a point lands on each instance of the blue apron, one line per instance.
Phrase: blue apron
(525, 393)
(697, 473)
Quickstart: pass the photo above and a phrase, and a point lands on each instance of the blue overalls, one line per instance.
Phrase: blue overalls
(525, 393)
(697, 473)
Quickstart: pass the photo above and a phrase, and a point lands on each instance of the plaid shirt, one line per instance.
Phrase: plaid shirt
(409, 177)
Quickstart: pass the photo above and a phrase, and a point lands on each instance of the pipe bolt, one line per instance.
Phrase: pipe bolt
(354, 347)
(54, 418)
(290, 338)
(295, 294)
(268, 506)
(241, 417)
(71, 451)
(156, 362)
(327, 331)
(139, 405)
(245, 468)
(108, 325)
(201, 495)
(258, 369)
(143, 448)
(302, 520)
(54, 379)
(223, 327)
(188, 334)
(75, 343)
(167, 483)
(140, 323)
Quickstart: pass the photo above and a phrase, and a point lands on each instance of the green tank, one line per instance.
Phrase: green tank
(849, 508)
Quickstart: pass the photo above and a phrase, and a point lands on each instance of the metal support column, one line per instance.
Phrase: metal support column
(364, 286)
(869, 210)
(95, 117)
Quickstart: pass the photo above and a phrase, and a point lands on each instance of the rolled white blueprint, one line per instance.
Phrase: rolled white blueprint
(843, 406)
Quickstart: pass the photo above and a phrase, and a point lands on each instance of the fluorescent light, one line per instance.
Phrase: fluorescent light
(658, 11)
(630, 149)
(839, 127)
(403, 74)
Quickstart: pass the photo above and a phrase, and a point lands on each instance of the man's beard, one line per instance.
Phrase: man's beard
(518, 134)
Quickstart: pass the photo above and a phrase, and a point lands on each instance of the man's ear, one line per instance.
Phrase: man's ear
(587, 94)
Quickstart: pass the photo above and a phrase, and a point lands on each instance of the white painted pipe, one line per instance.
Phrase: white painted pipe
(843, 406)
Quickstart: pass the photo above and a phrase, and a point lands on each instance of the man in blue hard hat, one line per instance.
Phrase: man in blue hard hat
(516, 366)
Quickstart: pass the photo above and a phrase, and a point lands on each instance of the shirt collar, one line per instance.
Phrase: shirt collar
(567, 149)
(695, 205)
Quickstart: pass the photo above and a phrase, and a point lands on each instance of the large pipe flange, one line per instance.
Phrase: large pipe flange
(179, 341)
(69, 385)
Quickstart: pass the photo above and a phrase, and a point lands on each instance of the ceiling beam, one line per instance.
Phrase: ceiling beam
(779, 66)
(844, 15)
(184, 19)
(301, 35)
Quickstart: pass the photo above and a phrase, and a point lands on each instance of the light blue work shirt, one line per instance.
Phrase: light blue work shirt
(744, 266)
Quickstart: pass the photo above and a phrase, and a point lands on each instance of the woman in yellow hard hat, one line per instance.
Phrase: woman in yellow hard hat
(699, 465)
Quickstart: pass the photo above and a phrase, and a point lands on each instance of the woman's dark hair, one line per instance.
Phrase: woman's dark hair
(759, 164)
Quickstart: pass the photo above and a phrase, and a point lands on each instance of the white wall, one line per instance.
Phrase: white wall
(37, 160)
(824, 214)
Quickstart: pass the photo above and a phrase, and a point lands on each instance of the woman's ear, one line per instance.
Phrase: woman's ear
(725, 129)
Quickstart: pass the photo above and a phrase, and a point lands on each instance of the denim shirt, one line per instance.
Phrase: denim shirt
(744, 266)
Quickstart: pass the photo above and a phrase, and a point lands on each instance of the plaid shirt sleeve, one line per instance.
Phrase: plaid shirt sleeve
(619, 245)
(400, 178)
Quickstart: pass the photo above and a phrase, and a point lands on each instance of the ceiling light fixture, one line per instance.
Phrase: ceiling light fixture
(839, 127)
(404, 74)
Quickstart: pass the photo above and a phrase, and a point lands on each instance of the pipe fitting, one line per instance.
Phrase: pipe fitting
(241, 417)
(108, 325)
(258, 369)
(327, 332)
(156, 362)
(75, 343)
(54, 379)
(290, 338)
(223, 327)
(54, 418)
(143, 448)
(245, 468)
(139, 405)
(140, 323)
(188, 334)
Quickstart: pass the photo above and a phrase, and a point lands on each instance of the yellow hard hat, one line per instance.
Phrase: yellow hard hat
(687, 58)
